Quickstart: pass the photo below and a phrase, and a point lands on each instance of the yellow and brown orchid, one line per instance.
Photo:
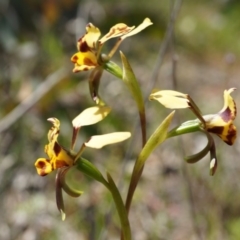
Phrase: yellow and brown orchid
(89, 45)
(58, 156)
(220, 123)
(61, 159)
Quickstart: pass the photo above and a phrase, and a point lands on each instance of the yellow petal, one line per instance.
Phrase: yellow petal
(89, 40)
(91, 116)
(222, 122)
(147, 22)
(52, 136)
(226, 131)
(59, 157)
(84, 61)
(116, 31)
(170, 99)
(229, 110)
(54, 130)
(43, 166)
(100, 141)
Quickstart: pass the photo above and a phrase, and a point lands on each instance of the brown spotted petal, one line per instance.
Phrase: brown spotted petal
(58, 156)
(229, 110)
(222, 122)
(86, 58)
(88, 41)
(84, 61)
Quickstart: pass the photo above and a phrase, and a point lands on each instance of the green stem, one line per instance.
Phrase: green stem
(187, 127)
(90, 170)
(126, 231)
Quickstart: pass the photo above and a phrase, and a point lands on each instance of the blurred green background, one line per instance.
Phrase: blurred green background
(174, 200)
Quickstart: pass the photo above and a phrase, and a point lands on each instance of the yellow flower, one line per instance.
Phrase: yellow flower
(89, 45)
(58, 156)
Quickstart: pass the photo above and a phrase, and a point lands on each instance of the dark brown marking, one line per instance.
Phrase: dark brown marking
(216, 130)
(57, 148)
(42, 165)
(231, 135)
(74, 59)
(83, 47)
(88, 62)
(61, 163)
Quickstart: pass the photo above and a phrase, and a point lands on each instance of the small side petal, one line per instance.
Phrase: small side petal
(43, 166)
(116, 31)
(229, 110)
(91, 116)
(147, 22)
(100, 141)
(54, 130)
(59, 195)
(170, 99)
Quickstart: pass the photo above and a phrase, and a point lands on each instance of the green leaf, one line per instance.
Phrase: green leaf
(132, 83)
(198, 156)
(186, 127)
(120, 208)
(113, 68)
(65, 179)
(156, 139)
(90, 170)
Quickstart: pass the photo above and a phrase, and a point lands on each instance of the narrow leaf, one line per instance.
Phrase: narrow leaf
(132, 83)
(113, 68)
(126, 231)
(89, 169)
(156, 138)
(66, 186)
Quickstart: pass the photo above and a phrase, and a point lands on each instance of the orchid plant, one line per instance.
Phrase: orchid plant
(61, 159)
